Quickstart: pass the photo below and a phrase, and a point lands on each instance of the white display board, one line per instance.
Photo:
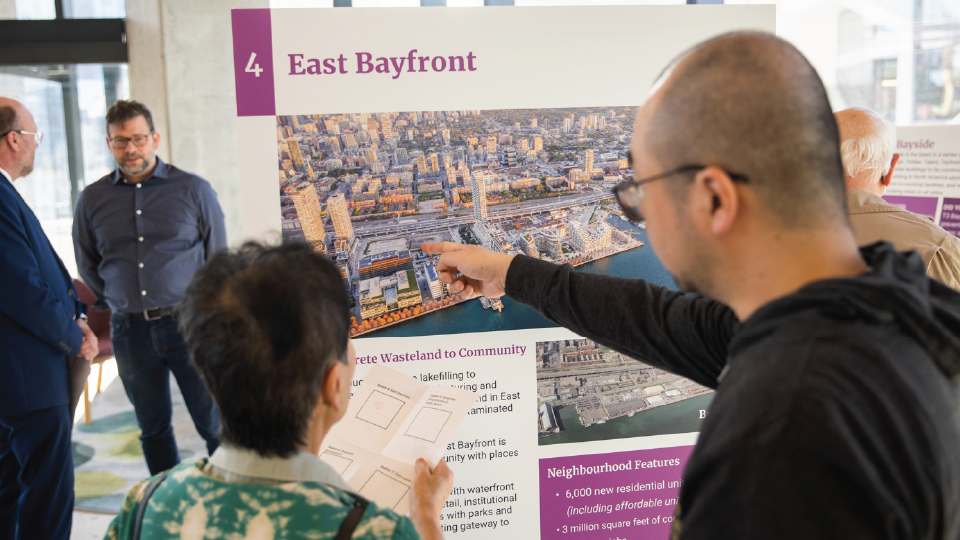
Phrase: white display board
(370, 131)
(926, 180)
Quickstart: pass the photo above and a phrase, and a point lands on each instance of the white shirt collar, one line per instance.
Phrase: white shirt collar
(5, 173)
(301, 467)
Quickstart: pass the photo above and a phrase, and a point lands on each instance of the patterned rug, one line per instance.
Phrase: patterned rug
(107, 458)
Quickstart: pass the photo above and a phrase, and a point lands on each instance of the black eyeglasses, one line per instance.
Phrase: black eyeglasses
(119, 143)
(630, 193)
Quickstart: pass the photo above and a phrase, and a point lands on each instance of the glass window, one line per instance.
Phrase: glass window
(94, 9)
(69, 103)
(386, 3)
(900, 58)
(28, 9)
(598, 2)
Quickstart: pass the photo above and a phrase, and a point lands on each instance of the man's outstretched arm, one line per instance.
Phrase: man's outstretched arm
(684, 333)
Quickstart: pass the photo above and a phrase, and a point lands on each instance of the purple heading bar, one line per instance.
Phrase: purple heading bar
(253, 62)
(925, 206)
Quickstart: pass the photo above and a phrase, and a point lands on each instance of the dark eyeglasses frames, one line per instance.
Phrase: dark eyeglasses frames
(119, 143)
(630, 193)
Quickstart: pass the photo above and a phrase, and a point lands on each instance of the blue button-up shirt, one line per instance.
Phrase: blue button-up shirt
(138, 245)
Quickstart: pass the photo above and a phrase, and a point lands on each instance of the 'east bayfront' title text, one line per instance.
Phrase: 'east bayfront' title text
(366, 63)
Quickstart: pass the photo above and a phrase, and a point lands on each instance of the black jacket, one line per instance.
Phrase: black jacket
(836, 413)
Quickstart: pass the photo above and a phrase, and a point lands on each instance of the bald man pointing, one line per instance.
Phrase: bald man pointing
(835, 369)
(866, 145)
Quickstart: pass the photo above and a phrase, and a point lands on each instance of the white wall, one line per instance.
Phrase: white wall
(181, 66)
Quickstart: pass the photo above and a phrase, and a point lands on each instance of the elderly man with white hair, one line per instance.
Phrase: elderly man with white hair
(866, 146)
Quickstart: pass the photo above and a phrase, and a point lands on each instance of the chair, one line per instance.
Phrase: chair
(99, 322)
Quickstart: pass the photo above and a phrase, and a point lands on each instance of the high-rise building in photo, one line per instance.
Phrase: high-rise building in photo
(400, 156)
(350, 142)
(510, 156)
(491, 144)
(308, 212)
(421, 164)
(602, 122)
(479, 187)
(524, 145)
(340, 216)
(386, 126)
(370, 155)
(537, 144)
(588, 162)
(567, 124)
(296, 155)
(434, 164)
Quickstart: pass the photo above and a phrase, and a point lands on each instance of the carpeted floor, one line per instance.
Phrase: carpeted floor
(106, 453)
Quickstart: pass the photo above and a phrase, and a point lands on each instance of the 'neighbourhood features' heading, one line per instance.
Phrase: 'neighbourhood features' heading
(366, 63)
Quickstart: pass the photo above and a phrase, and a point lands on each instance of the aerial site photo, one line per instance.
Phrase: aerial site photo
(588, 392)
(368, 189)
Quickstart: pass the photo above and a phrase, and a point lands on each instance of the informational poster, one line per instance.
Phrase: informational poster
(926, 180)
(367, 132)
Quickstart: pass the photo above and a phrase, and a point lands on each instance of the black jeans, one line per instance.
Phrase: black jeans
(147, 351)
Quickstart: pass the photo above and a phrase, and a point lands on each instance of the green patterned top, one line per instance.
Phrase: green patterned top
(196, 501)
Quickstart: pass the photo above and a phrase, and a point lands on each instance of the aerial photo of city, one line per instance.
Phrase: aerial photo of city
(588, 392)
(368, 189)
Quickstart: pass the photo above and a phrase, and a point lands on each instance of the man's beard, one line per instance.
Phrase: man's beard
(142, 168)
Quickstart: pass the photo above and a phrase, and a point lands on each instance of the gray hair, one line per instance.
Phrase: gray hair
(872, 150)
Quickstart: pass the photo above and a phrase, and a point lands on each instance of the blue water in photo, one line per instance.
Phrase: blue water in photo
(471, 317)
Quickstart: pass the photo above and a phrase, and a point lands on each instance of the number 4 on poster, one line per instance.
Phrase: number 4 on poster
(253, 68)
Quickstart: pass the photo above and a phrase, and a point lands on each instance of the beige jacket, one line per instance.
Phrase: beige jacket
(874, 219)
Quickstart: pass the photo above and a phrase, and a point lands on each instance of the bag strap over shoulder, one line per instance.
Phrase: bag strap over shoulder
(142, 509)
(353, 518)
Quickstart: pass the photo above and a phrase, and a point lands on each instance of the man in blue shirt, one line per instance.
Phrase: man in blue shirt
(41, 328)
(139, 234)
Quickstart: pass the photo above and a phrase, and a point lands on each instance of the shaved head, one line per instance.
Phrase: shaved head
(751, 104)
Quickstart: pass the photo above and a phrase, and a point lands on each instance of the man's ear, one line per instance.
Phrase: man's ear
(333, 386)
(885, 179)
(715, 199)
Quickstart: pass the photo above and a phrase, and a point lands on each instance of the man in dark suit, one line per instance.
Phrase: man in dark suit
(41, 329)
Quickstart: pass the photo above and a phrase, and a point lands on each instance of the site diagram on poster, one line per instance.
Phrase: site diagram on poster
(588, 392)
(392, 421)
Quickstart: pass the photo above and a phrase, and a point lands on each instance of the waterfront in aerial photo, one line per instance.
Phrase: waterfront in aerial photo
(368, 189)
(587, 392)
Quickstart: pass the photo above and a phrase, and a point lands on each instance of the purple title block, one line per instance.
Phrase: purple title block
(950, 216)
(253, 62)
(925, 206)
(623, 495)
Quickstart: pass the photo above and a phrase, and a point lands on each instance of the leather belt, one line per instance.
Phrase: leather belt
(154, 314)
